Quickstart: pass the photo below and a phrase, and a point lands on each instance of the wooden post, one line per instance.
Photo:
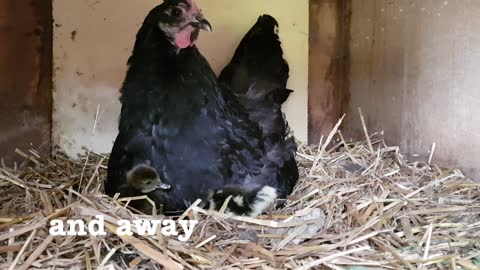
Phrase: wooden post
(328, 96)
(25, 77)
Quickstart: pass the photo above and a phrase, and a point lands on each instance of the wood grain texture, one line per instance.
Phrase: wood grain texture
(328, 65)
(414, 73)
(25, 77)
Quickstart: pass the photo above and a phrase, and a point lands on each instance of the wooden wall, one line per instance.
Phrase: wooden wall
(328, 65)
(25, 76)
(415, 72)
(413, 68)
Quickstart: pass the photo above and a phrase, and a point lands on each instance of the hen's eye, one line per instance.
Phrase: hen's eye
(176, 12)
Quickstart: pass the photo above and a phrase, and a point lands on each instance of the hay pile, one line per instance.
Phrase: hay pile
(359, 205)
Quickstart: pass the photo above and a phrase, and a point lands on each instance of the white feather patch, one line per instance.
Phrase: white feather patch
(211, 205)
(238, 200)
(265, 197)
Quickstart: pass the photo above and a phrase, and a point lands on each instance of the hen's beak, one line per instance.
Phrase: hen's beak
(201, 23)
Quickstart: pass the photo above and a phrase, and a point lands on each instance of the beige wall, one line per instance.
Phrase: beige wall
(93, 39)
(415, 73)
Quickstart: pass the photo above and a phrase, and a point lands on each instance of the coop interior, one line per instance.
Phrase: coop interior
(385, 113)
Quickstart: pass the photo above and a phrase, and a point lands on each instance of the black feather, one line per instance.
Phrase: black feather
(258, 76)
(243, 201)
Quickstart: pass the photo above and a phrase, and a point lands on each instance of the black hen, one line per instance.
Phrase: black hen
(258, 75)
(175, 118)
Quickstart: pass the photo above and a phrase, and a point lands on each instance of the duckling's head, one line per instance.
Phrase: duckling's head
(145, 179)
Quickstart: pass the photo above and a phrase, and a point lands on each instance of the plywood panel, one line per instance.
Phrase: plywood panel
(328, 65)
(415, 74)
(93, 40)
(25, 76)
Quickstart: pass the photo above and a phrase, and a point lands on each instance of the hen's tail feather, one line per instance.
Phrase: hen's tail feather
(242, 202)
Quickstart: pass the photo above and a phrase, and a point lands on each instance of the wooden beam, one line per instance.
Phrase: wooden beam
(328, 65)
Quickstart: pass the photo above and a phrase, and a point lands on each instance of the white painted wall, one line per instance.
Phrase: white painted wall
(93, 40)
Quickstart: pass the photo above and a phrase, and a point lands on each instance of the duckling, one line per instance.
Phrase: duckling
(145, 179)
(244, 202)
(142, 180)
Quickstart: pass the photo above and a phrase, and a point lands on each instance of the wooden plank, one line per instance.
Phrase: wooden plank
(328, 65)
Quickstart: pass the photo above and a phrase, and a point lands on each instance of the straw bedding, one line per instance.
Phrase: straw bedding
(358, 205)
